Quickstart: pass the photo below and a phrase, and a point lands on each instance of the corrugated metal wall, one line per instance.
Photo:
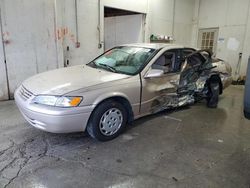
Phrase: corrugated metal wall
(29, 41)
(4, 95)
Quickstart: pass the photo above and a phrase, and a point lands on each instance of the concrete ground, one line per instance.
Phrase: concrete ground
(190, 147)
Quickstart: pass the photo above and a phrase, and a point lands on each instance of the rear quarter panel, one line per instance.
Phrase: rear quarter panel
(225, 71)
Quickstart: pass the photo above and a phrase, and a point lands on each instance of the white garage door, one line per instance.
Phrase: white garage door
(29, 39)
(123, 29)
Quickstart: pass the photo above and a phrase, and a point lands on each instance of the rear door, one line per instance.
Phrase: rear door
(195, 66)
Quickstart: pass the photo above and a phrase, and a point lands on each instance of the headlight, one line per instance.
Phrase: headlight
(57, 101)
(68, 101)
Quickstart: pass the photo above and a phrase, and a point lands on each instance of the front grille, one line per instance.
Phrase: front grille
(25, 94)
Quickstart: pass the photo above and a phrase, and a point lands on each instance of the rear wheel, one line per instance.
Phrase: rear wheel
(247, 114)
(107, 121)
(213, 94)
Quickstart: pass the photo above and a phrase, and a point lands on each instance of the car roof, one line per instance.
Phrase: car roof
(155, 45)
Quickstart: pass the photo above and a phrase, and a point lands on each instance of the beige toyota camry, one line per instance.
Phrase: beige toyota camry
(123, 84)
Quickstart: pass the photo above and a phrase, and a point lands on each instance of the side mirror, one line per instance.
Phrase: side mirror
(154, 73)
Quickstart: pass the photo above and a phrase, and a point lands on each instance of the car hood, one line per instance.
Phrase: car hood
(65, 80)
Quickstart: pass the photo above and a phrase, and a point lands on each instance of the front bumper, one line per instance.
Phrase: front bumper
(53, 119)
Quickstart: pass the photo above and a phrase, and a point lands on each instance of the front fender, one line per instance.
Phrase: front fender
(108, 95)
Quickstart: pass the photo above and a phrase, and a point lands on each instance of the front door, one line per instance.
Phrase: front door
(160, 93)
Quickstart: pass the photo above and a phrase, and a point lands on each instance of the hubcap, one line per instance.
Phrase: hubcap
(111, 121)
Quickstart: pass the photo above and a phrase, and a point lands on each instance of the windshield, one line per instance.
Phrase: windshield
(125, 59)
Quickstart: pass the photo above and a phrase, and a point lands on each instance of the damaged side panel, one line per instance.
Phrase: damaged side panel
(184, 88)
(171, 101)
(158, 93)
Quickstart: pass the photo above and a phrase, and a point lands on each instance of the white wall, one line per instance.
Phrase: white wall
(3, 77)
(90, 33)
(171, 18)
(161, 17)
(159, 20)
(87, 25)
(183, 21)
(232, 19)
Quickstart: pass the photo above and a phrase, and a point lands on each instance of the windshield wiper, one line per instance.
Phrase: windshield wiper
(109, 67)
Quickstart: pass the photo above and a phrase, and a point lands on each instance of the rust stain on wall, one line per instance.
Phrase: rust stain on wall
(63, 33)
(6, 38)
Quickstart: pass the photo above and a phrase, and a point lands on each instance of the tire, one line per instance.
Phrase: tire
(213, 94)
(247, 114)
(107, 121)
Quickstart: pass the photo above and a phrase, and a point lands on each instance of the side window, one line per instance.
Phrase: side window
(168, 62)
(194, 60)
(186, 52)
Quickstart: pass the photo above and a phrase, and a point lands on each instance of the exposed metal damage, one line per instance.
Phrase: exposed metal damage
(193, 82)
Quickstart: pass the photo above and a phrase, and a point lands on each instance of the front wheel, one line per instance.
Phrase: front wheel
(107, 121)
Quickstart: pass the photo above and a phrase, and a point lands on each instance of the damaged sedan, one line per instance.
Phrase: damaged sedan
(123, 84)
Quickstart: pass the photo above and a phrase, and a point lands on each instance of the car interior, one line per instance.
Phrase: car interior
(165, 62)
